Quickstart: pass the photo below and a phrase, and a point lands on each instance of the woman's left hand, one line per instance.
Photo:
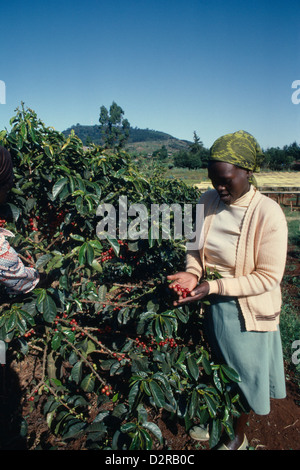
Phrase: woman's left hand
(197, 294)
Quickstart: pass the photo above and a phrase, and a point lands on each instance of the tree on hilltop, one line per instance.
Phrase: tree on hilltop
(114, 129)
(195, 157)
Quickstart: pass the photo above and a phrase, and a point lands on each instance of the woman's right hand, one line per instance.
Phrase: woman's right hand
(186, 281)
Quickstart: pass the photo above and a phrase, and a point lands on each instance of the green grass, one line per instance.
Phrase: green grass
(290, 314)
(190, 177)
(290, 332)
(293, 219)
(147, 166)
(271, 179)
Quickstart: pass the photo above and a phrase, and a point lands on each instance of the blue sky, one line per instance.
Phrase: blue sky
(178, 66)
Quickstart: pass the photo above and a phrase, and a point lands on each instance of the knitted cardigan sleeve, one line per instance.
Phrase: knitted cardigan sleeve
(13, 274)
(193, 263)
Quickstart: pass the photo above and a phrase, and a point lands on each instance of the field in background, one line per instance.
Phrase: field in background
(279, 180)
(190, 177)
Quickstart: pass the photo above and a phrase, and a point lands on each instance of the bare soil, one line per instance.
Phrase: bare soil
(280, 430)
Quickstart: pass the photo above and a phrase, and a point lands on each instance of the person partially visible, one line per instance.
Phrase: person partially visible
(14, 275)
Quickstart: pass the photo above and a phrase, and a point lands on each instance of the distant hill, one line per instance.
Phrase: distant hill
(140, 140)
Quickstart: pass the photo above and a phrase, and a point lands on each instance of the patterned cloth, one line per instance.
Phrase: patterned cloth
(13, 274)
(239, 148)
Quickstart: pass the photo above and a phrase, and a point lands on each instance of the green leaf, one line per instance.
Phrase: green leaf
(48, 308)
(136, 442)
(133, 394)
(115, 245)
(56, 341)
(217, 381)
(21, 324)
(70, 335)
(23, 131)
(74, 430)
(146, 388)
(157, 329)
(152, 427)
(11, 322)
(215, 432)
(90, 347)
(88, 383)
(102, 292)
(193, 405)
(77, 237)
(101, 416)
(27, 316)
(192, 367)
(49, 151)
(96, 244)
(79, 204)
(81, 255)
(89, 201)
(206, 365)
(128, 427)
(115, 368)
(147, 440)
(42, 261)
(58, 186)
(142, 413)
(55, 262)
(212, 409)
(181, 315)
(229, 428)
(2, 134)
(89, 253)
(76, 372)
(16, 211)
(41, 296)
(17, 191)
(167, 326)
(49, 417)
(157, 394)
(230, 373)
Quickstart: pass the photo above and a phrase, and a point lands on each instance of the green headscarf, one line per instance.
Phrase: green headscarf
(239, 148)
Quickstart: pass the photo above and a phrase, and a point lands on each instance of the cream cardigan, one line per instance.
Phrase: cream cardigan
(224, 232)
(260, 261)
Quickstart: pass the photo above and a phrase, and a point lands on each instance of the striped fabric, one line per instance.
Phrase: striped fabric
(13, 273)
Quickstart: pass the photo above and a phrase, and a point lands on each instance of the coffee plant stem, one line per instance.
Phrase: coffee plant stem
(44, 362)
(109, 302)
(59, 237)
(95, 340)
(26, 260)
(86, 362)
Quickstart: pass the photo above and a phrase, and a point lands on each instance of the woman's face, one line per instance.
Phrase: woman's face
(230, 181)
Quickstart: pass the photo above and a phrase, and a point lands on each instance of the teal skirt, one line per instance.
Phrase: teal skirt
(256, 356)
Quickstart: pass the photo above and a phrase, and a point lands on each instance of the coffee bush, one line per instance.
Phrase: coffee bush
(111, 346)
